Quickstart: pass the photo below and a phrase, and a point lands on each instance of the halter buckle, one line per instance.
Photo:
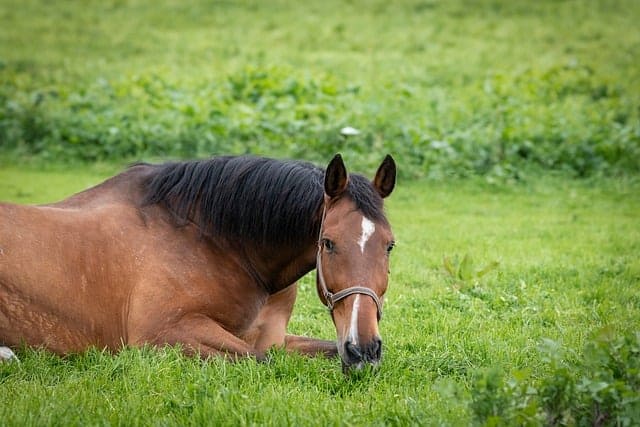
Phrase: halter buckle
(328, 297)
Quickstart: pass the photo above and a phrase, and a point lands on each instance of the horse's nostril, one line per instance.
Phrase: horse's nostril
(377, 348)
(352, 351)
(373, 350)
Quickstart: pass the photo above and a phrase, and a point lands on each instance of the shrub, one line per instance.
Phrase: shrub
(562, 118)
(600, 388)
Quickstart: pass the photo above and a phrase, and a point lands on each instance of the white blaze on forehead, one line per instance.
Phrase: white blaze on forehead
(368, 228)
(353, 327)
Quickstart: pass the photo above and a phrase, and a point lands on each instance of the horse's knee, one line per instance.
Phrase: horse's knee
(6, 355)
(270, 327)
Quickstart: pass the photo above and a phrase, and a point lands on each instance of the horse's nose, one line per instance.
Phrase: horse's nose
(370, 352)
(373, 351)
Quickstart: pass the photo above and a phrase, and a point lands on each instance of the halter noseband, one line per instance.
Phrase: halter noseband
(330, 298)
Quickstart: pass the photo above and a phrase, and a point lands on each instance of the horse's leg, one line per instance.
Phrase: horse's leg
(311, 346)
(269, 328)
(201, 335)
(6, 355)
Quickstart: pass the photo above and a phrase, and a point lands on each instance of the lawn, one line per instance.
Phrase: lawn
(560, 310)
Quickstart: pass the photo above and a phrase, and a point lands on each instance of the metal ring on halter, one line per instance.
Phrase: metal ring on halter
(330, 298)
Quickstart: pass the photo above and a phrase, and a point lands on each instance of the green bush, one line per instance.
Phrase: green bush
(602, 387)
(517, 121)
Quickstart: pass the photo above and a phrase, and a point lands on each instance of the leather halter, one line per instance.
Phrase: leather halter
(330, 298)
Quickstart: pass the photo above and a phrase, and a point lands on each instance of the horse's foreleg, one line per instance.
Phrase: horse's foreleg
(200, 335)
(311, 346)
(270, 326)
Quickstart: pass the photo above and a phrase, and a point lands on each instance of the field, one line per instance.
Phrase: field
(514, 286)
(550, 335)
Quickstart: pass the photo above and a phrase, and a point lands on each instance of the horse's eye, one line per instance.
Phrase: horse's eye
(328, 245)
(390, 247)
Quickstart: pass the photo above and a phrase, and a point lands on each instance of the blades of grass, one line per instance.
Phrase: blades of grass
(487, 269)
(465, 269)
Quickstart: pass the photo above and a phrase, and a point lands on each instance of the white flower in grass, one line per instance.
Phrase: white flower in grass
(349, 131)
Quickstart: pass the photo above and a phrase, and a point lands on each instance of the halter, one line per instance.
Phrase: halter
(330, 298)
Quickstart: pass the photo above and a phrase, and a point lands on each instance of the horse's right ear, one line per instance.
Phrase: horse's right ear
(335, 177)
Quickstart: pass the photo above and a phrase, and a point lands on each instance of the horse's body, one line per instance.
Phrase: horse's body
(203, 254)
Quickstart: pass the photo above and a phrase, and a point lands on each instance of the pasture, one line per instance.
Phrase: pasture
(514, 284)
(550, 335)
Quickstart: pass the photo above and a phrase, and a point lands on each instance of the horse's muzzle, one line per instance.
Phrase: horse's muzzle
(355, 356)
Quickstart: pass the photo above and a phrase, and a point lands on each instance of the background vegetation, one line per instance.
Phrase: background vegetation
(509, 304)
(450, 87)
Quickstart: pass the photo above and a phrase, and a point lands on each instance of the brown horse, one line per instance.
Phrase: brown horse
(204, 254)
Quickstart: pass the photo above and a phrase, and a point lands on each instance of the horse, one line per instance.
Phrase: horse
(202, 254)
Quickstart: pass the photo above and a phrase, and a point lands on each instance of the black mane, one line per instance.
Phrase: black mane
(251, 198)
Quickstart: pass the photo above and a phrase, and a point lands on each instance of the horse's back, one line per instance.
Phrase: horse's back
(65, 233)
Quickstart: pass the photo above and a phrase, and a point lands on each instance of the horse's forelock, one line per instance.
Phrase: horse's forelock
(366, 198)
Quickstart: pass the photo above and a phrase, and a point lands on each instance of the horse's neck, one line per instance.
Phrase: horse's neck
(277, 268)
(299, 265)
(281, 266)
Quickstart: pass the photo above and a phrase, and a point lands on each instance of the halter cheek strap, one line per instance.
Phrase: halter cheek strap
(330, 298)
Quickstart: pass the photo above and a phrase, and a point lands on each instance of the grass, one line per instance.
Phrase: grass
(205, 39)
(568, 274)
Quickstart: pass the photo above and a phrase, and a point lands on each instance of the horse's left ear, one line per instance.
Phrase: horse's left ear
(335, 177)
(385, 178)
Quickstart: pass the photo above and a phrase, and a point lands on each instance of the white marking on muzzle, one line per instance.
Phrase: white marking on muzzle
(368, 228)
(353, 327)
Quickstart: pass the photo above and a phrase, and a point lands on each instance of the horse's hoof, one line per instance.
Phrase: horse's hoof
(6, 355)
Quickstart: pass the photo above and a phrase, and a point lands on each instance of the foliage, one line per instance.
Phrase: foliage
(449, 88)
(463, 272)
(600, 388)
(260, 111)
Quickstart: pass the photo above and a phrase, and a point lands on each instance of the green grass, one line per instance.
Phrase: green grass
(558, 313)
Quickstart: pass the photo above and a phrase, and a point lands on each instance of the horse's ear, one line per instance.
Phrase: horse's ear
(385, 178)
(335, 177)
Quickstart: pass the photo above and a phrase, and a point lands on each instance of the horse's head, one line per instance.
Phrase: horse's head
(353, 258)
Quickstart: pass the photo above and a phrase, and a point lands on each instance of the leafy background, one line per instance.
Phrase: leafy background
(450, 88)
